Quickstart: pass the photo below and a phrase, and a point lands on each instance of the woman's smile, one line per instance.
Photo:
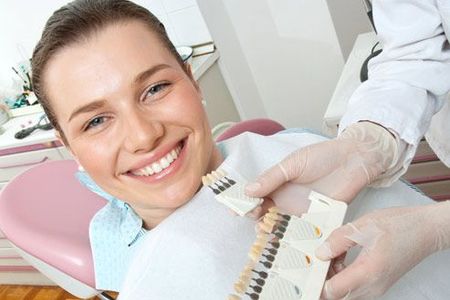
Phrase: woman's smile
(161, 165)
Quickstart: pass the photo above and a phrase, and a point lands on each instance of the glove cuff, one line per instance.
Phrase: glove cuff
(378, 147)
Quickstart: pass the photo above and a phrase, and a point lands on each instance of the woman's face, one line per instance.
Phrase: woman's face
(132, 117)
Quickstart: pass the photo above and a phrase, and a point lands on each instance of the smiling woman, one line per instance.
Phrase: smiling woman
(124, 109)
(127, 108)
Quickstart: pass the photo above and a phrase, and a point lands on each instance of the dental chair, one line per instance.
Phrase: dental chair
(45, 213)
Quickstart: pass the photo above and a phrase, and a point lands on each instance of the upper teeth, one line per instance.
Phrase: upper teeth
(159, 165)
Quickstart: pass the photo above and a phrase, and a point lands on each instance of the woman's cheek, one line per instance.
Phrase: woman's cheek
(93, 155)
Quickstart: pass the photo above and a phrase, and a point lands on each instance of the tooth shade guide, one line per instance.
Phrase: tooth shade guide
(258, 248)
(206, 181)
(269, 221)
(291, 258)
(268, 257)
(254, 256)
(253, 296)
(271, 251)
(211, 178)
(262, 238)
(266, 227)
(317, 231)
(221, 172)
(230, 192)
(259, 281)
(256, 288)
(299, 229)
(239, 287)
(248, 269)
(286, 244)
(277, 287)
(261, 274)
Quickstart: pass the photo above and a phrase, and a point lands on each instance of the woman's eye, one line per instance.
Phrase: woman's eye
(95, 122)
(156, 89)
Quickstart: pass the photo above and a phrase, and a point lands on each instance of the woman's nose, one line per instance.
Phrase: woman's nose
(142, 133)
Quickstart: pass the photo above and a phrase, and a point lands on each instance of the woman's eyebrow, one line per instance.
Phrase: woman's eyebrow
(149, 72)
(87, 108)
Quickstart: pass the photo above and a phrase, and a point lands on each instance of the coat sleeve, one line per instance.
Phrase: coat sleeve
(410, 79)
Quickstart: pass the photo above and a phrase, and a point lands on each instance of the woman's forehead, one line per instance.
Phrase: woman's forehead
(98, 66)
(121, 43)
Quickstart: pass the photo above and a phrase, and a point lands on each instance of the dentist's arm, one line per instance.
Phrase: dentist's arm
(392, 242)
(408, 82)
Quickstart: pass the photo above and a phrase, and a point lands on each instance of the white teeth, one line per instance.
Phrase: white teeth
(160, 165)
(148, 170)
(164, 163)
(140, 173)
(156, 167)
(170, 158)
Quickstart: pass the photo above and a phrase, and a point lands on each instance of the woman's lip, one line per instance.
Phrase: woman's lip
(155, 156)
(176, 164)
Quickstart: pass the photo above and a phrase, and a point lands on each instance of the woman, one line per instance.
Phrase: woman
(131, 117)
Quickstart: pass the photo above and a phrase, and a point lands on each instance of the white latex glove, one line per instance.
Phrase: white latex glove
(392, 242)
(338, 168)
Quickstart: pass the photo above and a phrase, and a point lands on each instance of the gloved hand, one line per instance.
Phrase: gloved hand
(338, 168)
(393, 241)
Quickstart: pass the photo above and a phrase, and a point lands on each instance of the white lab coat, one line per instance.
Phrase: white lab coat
(409, 81)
